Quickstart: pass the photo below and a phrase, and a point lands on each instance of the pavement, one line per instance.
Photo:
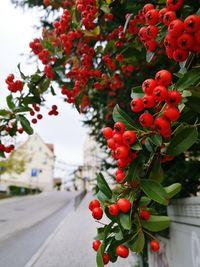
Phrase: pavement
(70, 245)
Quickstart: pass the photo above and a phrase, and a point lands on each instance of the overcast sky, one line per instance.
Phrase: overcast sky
(64, 131)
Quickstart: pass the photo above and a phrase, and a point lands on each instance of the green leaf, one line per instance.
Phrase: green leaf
(182, 141)
(173, 189)
(120, 115)
(135, 169)
(21, 73)
(78, 100)
(144, 201)
(2, 154)
(189, 78)
(157, 173)
(156, 139)
(52, 90)
(43, 87)
(156, 223)
(101, 196)
(105, 8)
(138, 245)
(136, 146)
(103, 186)
(25, 124)
(137, 92)
(154, 190)
(149, 145)
(125, 220)
(10, 103)
(4, 112)
(149, 56)
(99, 257)
(193, 102)
(119, 235)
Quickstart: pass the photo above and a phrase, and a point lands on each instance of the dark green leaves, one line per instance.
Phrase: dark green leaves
(125, 220)
(103, 186)
(99, 257)
(139, 242)
(10, 103)
(120, 115)
(156, 223)
(182, 141)
(25, 124)
(155, 191)
(189, 78)
(135, 169)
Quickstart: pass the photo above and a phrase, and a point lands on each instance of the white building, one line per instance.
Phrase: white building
(39, 165)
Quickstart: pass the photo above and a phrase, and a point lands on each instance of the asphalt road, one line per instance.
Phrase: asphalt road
(26, 222)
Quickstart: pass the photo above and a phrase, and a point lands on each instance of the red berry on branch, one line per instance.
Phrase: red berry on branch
(154, 245)
(94, 204)
(129, 137)
(106, 258)
(122, 251)
(163, 77)
(176, 28)
(107, 132)
(121, 152)
(171, 113)
(113, 209)
(97, 213)
(137, 105)
(192, 23)
(145, 214)
(160, 93)
(96, 244)
(119, 127)
(173, 98)
(146, 119)
(148, 85)
(124, 204)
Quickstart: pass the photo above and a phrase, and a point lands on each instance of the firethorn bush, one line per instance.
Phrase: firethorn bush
(132, 69)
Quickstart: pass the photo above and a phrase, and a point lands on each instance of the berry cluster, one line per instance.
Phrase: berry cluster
(7, 149)
(88, 10)
(14, 86)
(160, 101)
(182, 37)
(53, 111)
(35, 109)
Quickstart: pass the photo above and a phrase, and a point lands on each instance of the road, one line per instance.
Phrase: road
(26, 222)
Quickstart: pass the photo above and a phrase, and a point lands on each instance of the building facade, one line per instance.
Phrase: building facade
(39, 165)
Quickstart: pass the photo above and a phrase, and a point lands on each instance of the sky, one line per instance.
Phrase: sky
(64, 131)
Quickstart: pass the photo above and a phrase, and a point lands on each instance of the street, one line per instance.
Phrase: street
(26, 222)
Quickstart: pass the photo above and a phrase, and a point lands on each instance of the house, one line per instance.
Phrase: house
(39, 165)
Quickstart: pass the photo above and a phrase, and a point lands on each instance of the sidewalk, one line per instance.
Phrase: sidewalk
(71, 244)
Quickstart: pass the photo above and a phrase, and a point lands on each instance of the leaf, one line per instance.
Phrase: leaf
(149, 56)
(78, 100)
(189, 78)
(135, 169)
(157, 173)
(105, 8)
(154, 190)
(138, 245)
(137, 92)
(156, 223)
(52, 90)
(25, 124)
(125, 220)
(119, 235)
(101, 196)
(144, 201)
(156, 139)
(10, 103)
(173, 189)
(99, 257)
(120, 115)
(43, 87)
(149, 145)
(136, 146)
(182, 141)
(4, 112)
(193, 102)
(103, 186)
(23, 76)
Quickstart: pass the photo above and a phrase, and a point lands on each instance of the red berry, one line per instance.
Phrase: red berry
(146, 119)
(163, 126)
(185, 41)
(176, 28)
(106, 258)
(192, 23)
(137, 105)
(107, 132)
(121, 152)
(129, 137)
(162, 13)
(160, 93)
(180, 55)
(152, 16)
(163, 77)
(34, 121)
(169, 17)
(173, 98)
(120, 177)
(97, 213)
(111, 143)
(119, 127)
(118, 138)
(113, 209)
(145, 214)
(152, 31)
(148, 86)
(124, 204)
(171, 113)
(20, 130)
(122, 251)
(39, 116)
(151, 45)
(147, 7)
(174, 4)
(96, 244)
(94, 204)
(154, 245)
(148, 101)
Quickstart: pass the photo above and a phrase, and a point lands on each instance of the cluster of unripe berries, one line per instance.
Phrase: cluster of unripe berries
(119, 141)
(182, 37)
(158, 98)
(14, 86)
